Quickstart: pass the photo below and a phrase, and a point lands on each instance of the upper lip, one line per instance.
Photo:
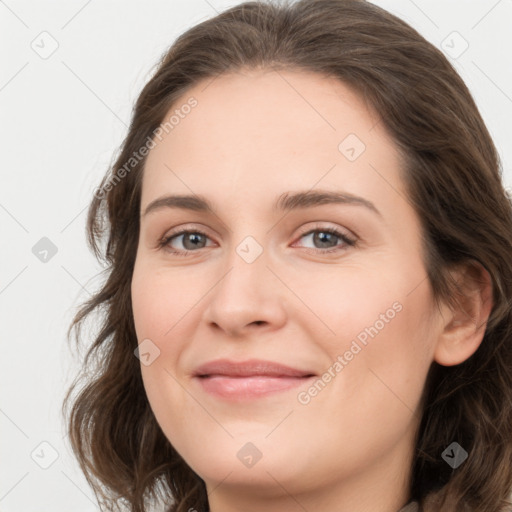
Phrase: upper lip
(248, 368)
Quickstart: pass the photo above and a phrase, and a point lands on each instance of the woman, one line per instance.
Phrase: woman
(308, 295)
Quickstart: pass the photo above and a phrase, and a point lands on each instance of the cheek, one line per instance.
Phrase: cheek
(380, 325)
(159, 301)
(165, 305)
(157, 308)
(377, 386)
(348, 303)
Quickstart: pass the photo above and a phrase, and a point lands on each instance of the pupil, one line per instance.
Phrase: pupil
(323, 237)
(191, 238)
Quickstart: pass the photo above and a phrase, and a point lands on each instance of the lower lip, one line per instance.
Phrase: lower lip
(240, 388)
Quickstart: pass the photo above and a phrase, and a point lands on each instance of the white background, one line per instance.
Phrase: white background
(62, 120)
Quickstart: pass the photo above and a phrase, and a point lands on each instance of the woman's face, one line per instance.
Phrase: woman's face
(262, 276)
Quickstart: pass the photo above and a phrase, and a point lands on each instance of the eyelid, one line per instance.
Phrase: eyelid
(324, 225)
(347, 237)
(179, 231)
(317, 225)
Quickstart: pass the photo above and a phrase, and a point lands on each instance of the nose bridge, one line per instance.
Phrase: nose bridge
(247, 279)
(248, 291)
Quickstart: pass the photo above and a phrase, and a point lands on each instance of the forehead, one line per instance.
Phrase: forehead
(257, 130)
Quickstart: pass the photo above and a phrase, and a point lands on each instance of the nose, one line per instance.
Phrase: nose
(248, 297)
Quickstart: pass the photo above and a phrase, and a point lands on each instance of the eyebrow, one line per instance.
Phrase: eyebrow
(286, 202)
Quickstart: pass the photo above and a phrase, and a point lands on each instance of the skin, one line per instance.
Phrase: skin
(253, 136)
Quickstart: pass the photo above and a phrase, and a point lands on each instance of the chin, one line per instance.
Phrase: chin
(246, 464)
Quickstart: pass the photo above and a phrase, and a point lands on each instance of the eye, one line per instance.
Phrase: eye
(327, 238)
(190, 240)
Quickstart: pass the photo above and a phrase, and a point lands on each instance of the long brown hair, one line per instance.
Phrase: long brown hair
(453, 180)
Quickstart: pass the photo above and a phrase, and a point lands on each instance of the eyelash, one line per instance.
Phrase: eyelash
(350, 242)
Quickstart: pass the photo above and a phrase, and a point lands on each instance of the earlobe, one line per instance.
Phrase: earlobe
(464, 324)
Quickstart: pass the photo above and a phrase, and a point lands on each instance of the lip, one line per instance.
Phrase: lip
(250, 379)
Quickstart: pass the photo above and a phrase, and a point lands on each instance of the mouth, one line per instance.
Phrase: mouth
(248, 379)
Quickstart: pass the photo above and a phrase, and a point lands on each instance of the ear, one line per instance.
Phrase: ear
(463, 326)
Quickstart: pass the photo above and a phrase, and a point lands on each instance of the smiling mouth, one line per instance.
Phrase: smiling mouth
(244, 380)
(248, 387)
